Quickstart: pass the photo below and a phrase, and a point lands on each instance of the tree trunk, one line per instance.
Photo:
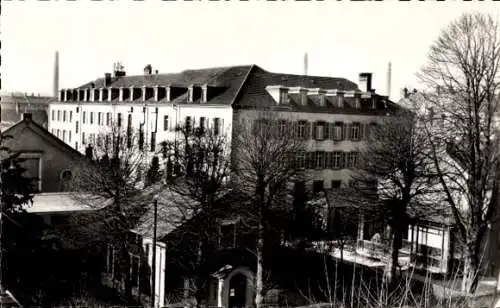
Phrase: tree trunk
(393, 264)
(259, 283)
(471, 272)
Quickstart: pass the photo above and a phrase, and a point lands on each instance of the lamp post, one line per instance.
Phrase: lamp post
(153, 265)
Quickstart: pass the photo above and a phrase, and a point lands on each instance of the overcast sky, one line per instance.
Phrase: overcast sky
(342, 38)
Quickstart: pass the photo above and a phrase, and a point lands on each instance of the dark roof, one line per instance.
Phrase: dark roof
(27, 123)
(173, 210)
(241, 86)
(25, 99)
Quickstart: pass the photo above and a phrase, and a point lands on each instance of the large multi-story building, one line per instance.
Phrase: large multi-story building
(334, 114)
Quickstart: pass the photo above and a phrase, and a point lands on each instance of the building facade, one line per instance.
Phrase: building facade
(333, 114)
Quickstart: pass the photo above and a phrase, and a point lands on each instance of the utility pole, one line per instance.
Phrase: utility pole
(153, 265)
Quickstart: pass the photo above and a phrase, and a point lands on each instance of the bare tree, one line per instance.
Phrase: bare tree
(110, 180)
(396, 172)
(264, 153)
(463, 85)
(197, 167)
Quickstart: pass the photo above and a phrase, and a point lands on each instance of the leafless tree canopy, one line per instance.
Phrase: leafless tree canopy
(264, 166)
(462, 79)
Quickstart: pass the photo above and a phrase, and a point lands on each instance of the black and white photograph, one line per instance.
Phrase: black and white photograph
(250, 154)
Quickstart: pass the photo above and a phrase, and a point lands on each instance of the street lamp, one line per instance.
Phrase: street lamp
(153, 265)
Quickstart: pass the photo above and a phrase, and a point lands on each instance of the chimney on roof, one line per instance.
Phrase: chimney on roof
(148, 69)
(107, 79)
(118, 70)
(365, 82)
(27, 117)
(56, 75)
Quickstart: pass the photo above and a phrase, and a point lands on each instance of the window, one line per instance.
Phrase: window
(108, 118)
(165, 123)
(91, 118)
(83, 138)
(76, 127)
(64, 135)
(76, 145)
(320, 160)
(337, 131)
(300, 161)
(58, 133)
(119, 120)
(336, 184)
(318, 186)
(357, 103)
(66, 175)
(69, 136)
(336, 159)
(283, 96)
(340, 102)
(58, 115)
(187, 124)
(53, 115)
(202, 124)
(141, 137)
(217, 126)
(319, 130)
(302, 130)
(64, 116)
(32, 164)
(99, 118)
(77, 109)
(84, 117)
(227, 234)
(92, 139)
(153, 141)
(129, 131)
(283, 128)
(355, 131)
(71, 116)
(352, 159)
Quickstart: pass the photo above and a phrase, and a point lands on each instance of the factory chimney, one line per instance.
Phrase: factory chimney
(56, 75)
(389, 72)
(306, 63)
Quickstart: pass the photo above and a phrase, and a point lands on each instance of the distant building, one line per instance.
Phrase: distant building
(14, 105)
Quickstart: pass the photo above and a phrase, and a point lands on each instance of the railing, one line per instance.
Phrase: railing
(426, 257)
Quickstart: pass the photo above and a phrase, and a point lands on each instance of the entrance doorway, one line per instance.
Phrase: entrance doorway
(237, 291)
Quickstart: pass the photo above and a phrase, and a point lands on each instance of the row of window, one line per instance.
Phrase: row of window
(62, 115)
(327, 160)
(100, 118)
(322, 130)
(63, 134)
(204, 123)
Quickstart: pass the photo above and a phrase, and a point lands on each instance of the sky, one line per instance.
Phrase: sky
(342, 38)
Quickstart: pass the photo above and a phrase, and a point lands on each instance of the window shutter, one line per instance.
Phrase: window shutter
(331, 130)
(345, 132)
(310, 160)
(362, 131)
(343, 158)
(314, 133)
(307, 130)
(325, 130)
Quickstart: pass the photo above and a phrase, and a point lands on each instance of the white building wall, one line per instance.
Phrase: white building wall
(327, 145)
(140, 114)
(159, 270)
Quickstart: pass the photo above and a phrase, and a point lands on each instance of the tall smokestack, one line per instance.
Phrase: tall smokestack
(306, 63)
(56, 75)
(389, 72)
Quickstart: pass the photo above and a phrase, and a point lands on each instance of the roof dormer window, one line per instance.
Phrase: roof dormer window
(322, 100)
(283, 96)
(190, 94)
